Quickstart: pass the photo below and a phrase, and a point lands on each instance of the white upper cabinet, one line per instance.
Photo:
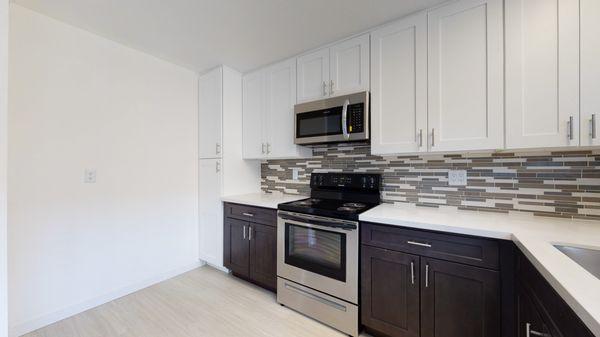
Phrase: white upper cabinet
(466, 76)
(313, 75)
(254, 115)
(268, 108)
(281, 98)
(399, 86)
(590, 72)
(542, 72)
(210, 114)
(338, 70)
(349, 68)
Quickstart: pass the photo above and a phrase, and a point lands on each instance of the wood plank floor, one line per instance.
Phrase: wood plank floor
(203, 302)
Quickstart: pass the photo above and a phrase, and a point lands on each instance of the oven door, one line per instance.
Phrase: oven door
(320, 253)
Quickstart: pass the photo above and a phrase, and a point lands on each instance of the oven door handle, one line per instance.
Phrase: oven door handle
(319, 223)
(345, 119)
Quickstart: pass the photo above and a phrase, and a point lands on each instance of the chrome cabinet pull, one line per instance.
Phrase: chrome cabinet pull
(218, 167)
(420, 244)
(248, 214)
(331, 87)
(250, 233)
(268, 148)
(593, 126)
(529, 332)
(263, 148)
(427, 275)
(420, 137)
(570, 128)
(432, 137)
(324, 88)
(412, 272)
(244, 232)
(218, 148)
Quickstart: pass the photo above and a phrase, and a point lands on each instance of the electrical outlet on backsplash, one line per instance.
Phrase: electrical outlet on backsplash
(563, 184)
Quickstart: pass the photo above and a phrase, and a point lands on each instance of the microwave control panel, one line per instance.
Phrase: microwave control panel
(356, 122)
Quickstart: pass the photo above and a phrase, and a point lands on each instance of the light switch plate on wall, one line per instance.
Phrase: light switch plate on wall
(295, 173)
(457, 178)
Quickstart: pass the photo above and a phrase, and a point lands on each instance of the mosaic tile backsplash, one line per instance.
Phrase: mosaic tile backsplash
(563, 184)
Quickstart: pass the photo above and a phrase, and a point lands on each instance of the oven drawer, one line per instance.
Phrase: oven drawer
(252, 214)
(457, 248)
(320, 306)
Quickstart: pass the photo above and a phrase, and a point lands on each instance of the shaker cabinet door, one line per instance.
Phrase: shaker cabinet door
(237, 247)
(399, 86)
(459, 300)
(590, 72)
(349, 66)
(542, 73)
(254, 115)
(390, 292)
(263, 255)
(281, 98)
(210, 211)
(210, 114)
(466, 76)
(313, 75)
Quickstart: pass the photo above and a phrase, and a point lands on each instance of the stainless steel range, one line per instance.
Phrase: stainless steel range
(318, 248)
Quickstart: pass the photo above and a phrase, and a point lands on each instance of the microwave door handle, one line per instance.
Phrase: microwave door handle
(345, 119)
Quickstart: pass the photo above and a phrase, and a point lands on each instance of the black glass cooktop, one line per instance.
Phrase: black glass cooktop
(328, 207)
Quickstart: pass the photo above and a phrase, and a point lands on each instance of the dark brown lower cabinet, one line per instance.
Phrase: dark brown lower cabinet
(407, 290)
(530, 318)
(390, 292)
(263, 255)
(459, 300)
(250, 248)
(540, 309)
(237, 247)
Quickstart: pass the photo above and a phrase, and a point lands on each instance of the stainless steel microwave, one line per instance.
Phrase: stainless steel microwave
(337, 119)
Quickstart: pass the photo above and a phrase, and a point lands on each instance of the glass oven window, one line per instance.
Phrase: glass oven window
(316, 250)
(319, 123)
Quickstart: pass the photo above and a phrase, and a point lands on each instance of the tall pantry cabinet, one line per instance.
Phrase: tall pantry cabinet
(221, 170)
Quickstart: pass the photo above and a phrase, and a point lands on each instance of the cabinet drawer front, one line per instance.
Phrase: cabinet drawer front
(253, 214)
(467, 250)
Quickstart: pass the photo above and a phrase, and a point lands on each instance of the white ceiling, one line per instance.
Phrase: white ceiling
(243, 34)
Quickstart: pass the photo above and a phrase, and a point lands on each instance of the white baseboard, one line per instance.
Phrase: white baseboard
(22, 328)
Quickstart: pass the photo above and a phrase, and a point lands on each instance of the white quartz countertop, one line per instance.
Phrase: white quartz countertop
(534, 235)
(266, 200)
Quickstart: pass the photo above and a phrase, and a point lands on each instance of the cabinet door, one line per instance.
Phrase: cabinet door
(281, 98)
(349, 66)
(459, 300)
(263, 255)
(253, 115)
(466, 76)
(390, 292)
(528, 317)
(237, 247)
(399, 86)
(542, 73)
(590, 72)
(210, 211)
(210, 108)
(313, 75)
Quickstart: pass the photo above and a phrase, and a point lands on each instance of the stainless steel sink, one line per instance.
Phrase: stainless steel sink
(589, 259)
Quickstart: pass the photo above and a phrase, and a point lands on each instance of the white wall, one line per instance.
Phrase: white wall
(80, 101)
(3, 148)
